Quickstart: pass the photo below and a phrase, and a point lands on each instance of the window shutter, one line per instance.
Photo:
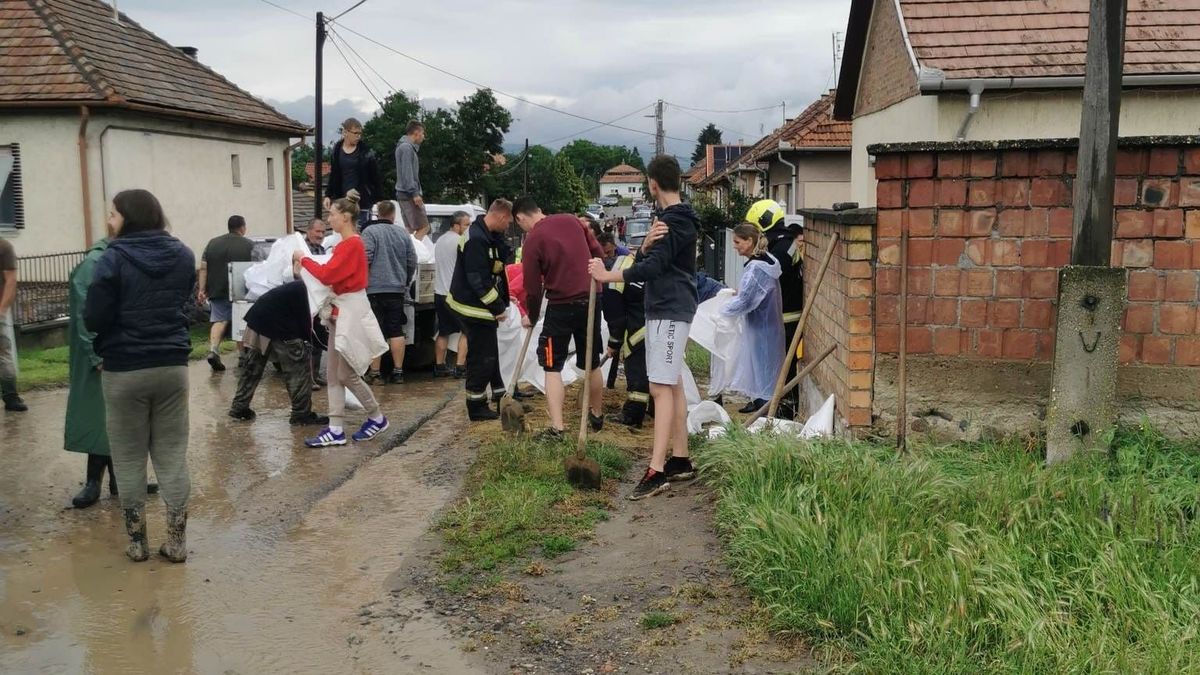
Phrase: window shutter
(13, 192)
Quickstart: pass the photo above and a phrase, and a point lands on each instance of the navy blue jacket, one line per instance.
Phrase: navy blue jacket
(136, 302)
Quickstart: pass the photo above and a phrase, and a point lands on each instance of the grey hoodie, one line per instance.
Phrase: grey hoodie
(391, 257)
(408, 169)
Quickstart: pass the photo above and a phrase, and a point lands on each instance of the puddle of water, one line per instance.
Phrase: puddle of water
(270, 586)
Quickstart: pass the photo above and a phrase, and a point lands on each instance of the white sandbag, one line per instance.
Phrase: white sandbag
(707, 412)
(720, 335)
(820, 424)
(276, 270)
(352, 402)
(331, 241)
(690, 389)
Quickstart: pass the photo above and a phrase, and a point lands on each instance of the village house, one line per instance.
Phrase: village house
(623, 181)
(965, 133)
(91, 103)
(805, 163)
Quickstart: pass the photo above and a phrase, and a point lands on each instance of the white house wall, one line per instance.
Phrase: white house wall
(186, 165)
(624, 190)
(823, 179)
(1005, 115)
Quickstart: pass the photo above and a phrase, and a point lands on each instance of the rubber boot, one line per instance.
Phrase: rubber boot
(13, 403)
(175, 548)
(135, 527)
(481, 411)
(90, 494)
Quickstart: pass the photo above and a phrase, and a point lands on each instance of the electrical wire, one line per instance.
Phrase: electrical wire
(352, 8)
(286, 9)
(725, 129)
(501, 91)
(723, 112)
(355, 72)
(364, 62)
(589, 129)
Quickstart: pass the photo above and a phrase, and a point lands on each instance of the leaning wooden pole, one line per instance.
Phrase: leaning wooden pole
(1091, 295)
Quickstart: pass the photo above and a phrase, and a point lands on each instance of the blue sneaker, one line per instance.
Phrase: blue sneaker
(370, 429)
(326, 439)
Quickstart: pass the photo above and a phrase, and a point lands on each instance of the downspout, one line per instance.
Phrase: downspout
(976, 90)
(289, 226)
(85, 185)
(792, 206)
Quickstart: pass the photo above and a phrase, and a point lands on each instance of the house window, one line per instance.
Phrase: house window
(235, 164)
(270, 173)
(12, 200)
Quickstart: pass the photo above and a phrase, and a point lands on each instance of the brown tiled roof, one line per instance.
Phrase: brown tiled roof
(56, 52)
(623, 173)
(813, 128)
(697, 173)
(1046, 38)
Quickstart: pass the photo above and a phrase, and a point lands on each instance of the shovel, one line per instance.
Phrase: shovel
(582, 471)
(512, 411)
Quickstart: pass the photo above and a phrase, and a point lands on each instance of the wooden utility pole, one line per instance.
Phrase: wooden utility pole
(318, 206)
(1091, 294)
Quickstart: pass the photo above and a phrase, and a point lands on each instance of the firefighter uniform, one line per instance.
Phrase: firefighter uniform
(478, 293)
(781, 244)
(624, 310)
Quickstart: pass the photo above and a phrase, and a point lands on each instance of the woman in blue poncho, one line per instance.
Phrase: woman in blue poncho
(758, 300)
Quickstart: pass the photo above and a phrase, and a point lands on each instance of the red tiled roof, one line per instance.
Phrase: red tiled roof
(813, 128)
(623, 173)
(1046, 38)
(55, 52)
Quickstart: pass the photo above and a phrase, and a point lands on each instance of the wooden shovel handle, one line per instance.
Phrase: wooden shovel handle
(520, 361)
(795, 382)
(808, 305)
(587, 371)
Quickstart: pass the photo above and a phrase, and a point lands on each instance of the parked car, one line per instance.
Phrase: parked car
(636, 230)
(610, 200)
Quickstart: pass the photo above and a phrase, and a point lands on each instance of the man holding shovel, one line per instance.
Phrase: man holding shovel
(667, 266)
(554, 258)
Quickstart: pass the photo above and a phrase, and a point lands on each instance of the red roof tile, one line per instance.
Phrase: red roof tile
(72, 51)
(623, 173)
(1046, 38)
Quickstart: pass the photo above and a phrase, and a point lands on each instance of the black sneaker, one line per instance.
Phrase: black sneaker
(548, 434)
(214, 360)
(311, 419)
(753, 406)
(459, 372)
(243, 414)
(679, 468)
(622, 418)
(651, 484)
(397, 377)
(373, 377)
(597, 421)
(13, 403)
(442, 370)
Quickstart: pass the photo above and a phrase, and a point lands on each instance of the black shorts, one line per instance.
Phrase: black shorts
(447, 321)
(389, 312)
(566, 322)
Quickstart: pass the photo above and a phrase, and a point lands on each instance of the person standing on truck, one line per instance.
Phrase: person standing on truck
(785, 245)
(479, 295)
(354, 167)
(231, 247)
(408, 177)
(554, 258)
(445, 256)
(392, 264)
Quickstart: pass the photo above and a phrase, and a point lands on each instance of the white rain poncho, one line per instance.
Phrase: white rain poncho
(758, 301)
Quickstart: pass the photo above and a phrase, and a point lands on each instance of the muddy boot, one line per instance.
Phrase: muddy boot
(175, 548)
(13, 403)
(135, 527)
(90, 494)
(481, 411)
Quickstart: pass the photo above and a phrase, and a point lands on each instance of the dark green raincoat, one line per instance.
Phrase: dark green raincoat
(85, 430)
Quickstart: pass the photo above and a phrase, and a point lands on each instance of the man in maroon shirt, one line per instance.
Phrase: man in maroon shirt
(554, 258)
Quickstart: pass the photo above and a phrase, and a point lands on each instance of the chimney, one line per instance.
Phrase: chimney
(190, 52)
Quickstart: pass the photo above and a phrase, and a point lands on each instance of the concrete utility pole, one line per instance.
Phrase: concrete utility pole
(1091, 295)
(318, 211)
(659, 134)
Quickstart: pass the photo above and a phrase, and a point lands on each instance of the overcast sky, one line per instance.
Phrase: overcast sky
(596, 58)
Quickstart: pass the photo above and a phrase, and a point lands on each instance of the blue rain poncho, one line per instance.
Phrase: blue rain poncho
(758, 301)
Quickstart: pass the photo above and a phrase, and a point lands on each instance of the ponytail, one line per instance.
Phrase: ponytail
(751, 233)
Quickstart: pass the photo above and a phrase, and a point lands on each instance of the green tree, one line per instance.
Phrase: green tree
(301, 156)
(480, 125)
(591, 160)
(553, 181)
(709, 135)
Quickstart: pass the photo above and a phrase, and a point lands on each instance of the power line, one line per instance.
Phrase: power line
(286, 9)
(499, 91)
(725, 129)
(354, 7)
(589, 129)
(366, 63)
(724, 112)
(355, 71)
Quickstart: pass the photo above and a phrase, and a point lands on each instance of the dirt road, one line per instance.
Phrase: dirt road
(290, 548)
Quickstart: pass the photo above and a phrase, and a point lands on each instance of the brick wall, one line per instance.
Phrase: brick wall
(842, 313)
(989, 228)
(887, 72)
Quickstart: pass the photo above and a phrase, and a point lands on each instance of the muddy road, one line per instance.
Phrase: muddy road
(291, 548)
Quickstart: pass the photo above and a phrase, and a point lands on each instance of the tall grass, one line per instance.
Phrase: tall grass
(971, 558)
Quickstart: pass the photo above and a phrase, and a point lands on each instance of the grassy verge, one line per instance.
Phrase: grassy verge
(41, 368)
(970, 557)
(697, 359)
(518, 504)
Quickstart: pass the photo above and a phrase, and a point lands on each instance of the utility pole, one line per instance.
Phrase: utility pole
(525, 161)
(1091, 295)
(659, 134)
(318, 210)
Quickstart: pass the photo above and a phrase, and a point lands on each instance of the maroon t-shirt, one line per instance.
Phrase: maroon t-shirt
(555, 256)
